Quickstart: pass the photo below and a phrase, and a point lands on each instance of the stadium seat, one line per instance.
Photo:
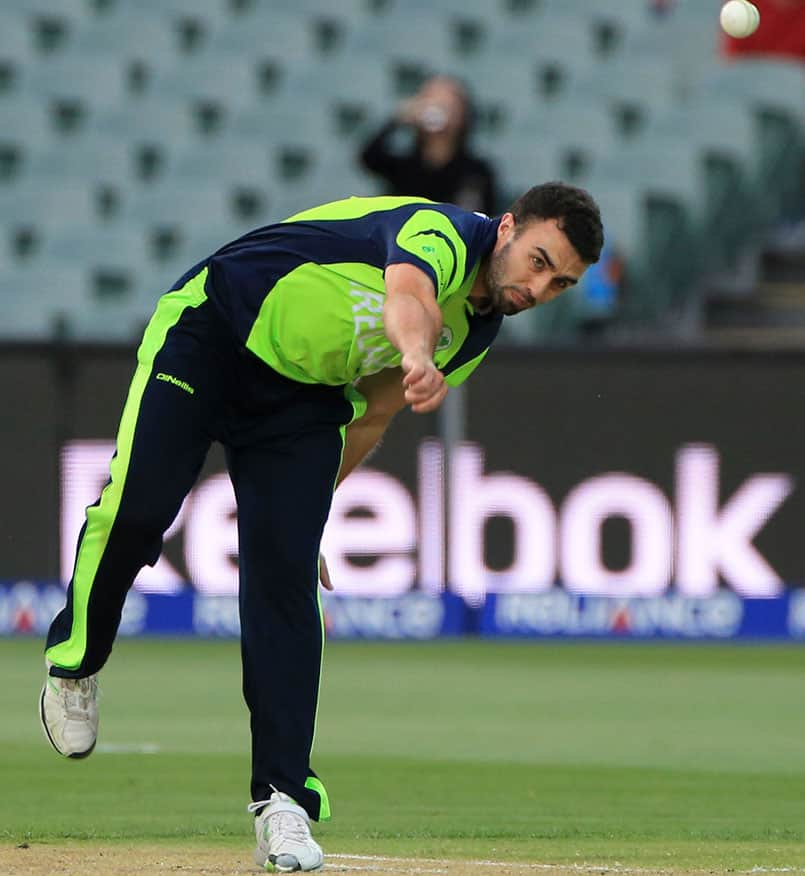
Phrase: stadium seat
(202, 78)
(74, 8)
(118, 265)
(634, 93)
(71, 12)
(397, 39)
(724, 129)
(574, 132)
(329, 178)
(761, 83)
(285, 120)
(521, 163)
(264, 30)
(484, 9)
(109, 245)
(772, 92)
(669, 166)
(705, 11)
(39, 300)
(153, 120)
(345, 93)
(214, 10)
(688, 39)
(354, 9)
(635, 13)
(26, 121)
(89, 81)
(26, 125)
(609, 25)
(16, 40)
(223, 159)
(128, 36)
(178, 211)
(532, 68)
(85, 160)
(50, 202)
(6, 255)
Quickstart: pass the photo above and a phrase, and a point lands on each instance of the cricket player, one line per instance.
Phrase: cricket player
(294, 346)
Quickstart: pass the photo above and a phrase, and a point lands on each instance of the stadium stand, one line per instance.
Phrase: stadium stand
(139, 137)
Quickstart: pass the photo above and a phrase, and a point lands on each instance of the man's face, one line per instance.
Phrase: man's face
(530, 265)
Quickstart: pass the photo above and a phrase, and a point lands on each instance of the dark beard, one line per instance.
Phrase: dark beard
(493, 282)
(496, 291)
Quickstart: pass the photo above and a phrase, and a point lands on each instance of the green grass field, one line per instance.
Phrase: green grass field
(660, 756)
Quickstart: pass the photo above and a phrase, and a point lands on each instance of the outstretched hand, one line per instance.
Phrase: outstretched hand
(424, 384)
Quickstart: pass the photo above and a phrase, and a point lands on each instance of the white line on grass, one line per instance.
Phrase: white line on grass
(412, 865)
(412, 862)
(127, 748)
(380, 869)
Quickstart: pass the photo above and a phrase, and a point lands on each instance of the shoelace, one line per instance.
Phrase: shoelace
(289, 826)
(77, 694)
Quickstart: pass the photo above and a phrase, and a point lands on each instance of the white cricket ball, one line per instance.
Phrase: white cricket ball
(739, 18)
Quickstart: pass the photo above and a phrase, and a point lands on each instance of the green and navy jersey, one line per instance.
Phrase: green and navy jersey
(306, 295)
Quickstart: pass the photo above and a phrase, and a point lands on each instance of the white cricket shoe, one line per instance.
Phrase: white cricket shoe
(284, 842)
(68, 710)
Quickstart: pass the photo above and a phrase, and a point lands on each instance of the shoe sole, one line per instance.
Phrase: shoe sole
(272, 867)
(80, 755)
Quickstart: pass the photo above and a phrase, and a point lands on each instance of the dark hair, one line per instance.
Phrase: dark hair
(575, 210)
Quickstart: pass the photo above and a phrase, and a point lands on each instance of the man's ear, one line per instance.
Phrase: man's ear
(505, 228)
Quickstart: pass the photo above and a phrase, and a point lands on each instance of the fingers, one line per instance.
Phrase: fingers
(432, 403)
(427, 393)
(429, 383)
(423, 383)
(413, 373)
(324, 574)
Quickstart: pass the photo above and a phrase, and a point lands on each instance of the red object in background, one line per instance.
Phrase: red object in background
(781, 31)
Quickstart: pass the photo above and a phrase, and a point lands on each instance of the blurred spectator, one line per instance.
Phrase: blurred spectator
(781, 31)
(436, 162)
(599, 294)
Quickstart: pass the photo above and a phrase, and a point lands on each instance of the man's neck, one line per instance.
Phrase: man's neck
(479, 296)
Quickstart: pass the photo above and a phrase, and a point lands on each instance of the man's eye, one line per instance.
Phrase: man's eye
(538, 262)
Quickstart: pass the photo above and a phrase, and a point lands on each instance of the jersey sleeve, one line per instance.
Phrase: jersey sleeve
(429, 240)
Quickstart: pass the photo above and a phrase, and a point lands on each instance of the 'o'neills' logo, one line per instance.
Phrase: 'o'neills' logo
(169, 378)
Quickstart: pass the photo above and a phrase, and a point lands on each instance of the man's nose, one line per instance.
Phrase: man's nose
(539, 288)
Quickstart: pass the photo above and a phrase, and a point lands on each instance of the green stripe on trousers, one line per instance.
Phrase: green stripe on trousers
(101, 517)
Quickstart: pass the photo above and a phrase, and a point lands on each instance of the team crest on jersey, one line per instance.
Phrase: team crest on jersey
(445, 338)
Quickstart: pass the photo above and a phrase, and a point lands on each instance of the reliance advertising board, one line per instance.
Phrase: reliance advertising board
(27, 609)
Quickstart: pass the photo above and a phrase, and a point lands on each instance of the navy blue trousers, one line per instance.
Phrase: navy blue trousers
(196, 384)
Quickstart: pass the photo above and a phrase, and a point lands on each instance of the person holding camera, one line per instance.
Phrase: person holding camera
(437, 164)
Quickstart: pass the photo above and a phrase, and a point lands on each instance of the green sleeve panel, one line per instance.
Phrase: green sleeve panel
(431, 236)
